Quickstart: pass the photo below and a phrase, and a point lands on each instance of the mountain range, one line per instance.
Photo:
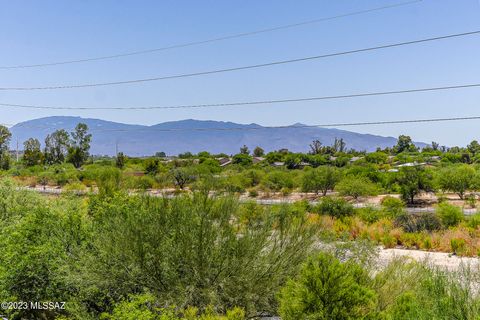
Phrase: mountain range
(194, 135)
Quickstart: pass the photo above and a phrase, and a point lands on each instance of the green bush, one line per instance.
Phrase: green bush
(449, 214)
(392, 206)
(356, 186)
(335, 207)
(328, 289)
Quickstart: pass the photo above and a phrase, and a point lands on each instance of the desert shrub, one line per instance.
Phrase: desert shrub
(75, 186)
(277, 179)
(416, 222)
(369, 214)
(320, 179)
(356, 186)
(187, 251)
(335, 207)
(392, 206)
(328, 289)
(474, 221)
(449, 214)
(458, 245)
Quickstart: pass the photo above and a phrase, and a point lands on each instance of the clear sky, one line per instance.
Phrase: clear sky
(45, 31)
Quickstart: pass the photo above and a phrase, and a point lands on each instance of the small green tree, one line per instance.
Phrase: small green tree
(412, 181)
(458, 179)
(5, 137)
(242, 159)
(244, 150)
(356, 186)
(322, 179)
(56, 147)
(258, 152)
(404, 144)
(328, 289)
(120, 160)
(78, 152)
(32, 155)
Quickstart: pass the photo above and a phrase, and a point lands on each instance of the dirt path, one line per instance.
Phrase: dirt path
(438, 259)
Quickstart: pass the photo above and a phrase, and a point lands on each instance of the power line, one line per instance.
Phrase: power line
(250, 103)
(257, 127)
(255, 66)
(196, 43)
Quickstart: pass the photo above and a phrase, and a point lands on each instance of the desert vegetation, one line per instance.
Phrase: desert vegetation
(188, 237)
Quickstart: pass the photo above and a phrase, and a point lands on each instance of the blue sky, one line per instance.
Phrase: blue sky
(46, 31)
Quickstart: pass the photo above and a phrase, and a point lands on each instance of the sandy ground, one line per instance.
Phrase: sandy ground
(438, 259)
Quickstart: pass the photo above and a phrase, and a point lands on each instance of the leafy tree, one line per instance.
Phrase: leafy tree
(182, 176)
(356, 186)
(242, 159)
(293, 160)
(322, 179)
(413, 180)
(458, 179)
(376, 157)
(328, 289)
(32, 154)
(160, 154)
(278, 180)
(244, 150)
(78, 152)
(5, 136)
(404, 144)
(258, 152)
(56, 147)
(474, 147)
(152, 166)
(120, 160)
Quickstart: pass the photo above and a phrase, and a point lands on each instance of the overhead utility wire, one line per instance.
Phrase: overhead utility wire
(196, 43)
(340, 124)
(250, 103)
(255, 66)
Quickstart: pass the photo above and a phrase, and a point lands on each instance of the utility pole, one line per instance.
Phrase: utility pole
(116, 147)
(17, 149)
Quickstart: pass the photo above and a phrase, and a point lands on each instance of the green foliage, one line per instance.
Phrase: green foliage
(322, 179)
(187, 251)
(404, 144)
(392, 206)
(120, 160)
(356, 186)
(449, 214)
(376, 157)
(457, 179)
(328, 289)
(277, 180)
(242, 159)
(412, 181)
(335, 207)
(32, 155)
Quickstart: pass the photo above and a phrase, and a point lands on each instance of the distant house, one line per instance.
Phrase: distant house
(224, 161)
(257, 159)
(354, 159)
(410, 164)
(278, 164)
(302, 165)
